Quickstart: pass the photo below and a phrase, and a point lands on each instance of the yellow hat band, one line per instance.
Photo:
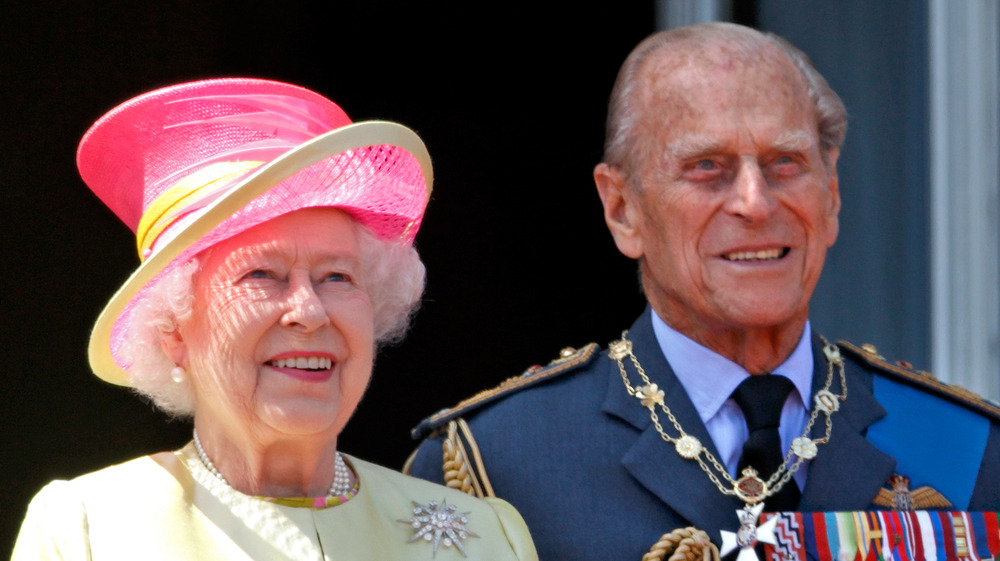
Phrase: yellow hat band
(181, 197)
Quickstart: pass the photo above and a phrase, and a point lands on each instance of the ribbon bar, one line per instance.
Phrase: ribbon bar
(884, 536)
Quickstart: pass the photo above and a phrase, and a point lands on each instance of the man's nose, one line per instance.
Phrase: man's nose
(751, 198)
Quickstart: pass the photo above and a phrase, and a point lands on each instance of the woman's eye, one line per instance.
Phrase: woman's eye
(338, 277)
(257, 274)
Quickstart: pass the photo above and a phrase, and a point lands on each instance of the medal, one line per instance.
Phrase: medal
(749, 533)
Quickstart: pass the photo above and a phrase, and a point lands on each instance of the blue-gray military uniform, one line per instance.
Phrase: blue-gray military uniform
(580, 459)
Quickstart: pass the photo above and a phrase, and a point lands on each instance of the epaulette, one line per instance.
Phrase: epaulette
(569, 359)
(904, 371)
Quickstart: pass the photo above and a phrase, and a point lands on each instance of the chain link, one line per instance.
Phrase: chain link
(652, 396)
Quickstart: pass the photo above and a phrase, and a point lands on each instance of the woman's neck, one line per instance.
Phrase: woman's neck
(272, 467)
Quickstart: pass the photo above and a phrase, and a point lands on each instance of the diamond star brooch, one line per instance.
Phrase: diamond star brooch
(439, 525)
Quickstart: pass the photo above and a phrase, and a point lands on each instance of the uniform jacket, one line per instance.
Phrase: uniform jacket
(580, 459)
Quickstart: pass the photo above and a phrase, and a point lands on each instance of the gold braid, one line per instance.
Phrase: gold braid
(456, 464)
(456, 471)
(683, 544)
(463, 467)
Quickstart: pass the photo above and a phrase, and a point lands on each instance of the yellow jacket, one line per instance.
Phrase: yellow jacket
(168, 506)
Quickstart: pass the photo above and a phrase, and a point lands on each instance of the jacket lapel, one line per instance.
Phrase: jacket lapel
(848, 471)
(678, 482)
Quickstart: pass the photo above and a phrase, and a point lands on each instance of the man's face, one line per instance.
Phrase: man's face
(735, 207)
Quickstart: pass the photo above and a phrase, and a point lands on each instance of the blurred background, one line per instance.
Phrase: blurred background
(510, 99)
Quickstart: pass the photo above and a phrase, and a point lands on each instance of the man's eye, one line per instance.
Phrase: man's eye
(703, 170)
(338, 277)
(785, 166)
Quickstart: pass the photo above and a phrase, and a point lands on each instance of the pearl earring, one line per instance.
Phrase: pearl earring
(178, 374)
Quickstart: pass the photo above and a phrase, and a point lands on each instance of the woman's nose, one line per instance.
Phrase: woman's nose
(305, 310)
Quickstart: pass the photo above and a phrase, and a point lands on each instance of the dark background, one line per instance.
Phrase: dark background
(509, 102)
(510, 99)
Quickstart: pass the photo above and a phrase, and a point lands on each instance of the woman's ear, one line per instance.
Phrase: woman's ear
(173, 346)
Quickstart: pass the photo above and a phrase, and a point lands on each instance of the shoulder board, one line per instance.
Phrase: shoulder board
(904, 371)
(569, 359)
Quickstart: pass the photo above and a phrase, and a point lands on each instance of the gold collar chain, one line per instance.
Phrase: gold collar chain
(749, 488)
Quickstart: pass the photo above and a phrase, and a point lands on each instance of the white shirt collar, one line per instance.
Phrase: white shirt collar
(709, 378)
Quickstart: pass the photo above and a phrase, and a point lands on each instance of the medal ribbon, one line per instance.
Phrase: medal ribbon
(963, 521)
(946, 539)
(896, 541)
(914, 537)
(868, 535)
(930, 535)
(790, 536)
(816, 544)
(991, 521)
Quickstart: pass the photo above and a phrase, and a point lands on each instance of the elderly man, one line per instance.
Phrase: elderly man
(720, 178)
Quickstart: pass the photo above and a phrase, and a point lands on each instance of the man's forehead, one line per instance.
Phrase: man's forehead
(680, 84)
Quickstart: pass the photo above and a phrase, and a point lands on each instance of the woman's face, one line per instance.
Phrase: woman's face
(280, 339)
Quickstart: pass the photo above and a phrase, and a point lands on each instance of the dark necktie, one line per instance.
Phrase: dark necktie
(761, 398)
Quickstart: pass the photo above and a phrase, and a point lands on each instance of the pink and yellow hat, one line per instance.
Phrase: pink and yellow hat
(190, 165)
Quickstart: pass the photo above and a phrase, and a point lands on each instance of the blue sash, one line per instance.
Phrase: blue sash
(935, 442)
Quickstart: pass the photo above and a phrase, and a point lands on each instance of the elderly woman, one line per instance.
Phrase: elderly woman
(276, 245)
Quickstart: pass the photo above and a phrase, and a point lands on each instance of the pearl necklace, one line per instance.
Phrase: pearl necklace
(341, 479)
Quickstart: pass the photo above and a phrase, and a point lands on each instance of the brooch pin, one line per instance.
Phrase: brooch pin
(439, 525)
(749, 533)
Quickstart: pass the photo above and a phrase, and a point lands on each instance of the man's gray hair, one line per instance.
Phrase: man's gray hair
(624, 112)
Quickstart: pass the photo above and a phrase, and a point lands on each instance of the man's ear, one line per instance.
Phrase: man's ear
(621, 209)
(174, 347)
